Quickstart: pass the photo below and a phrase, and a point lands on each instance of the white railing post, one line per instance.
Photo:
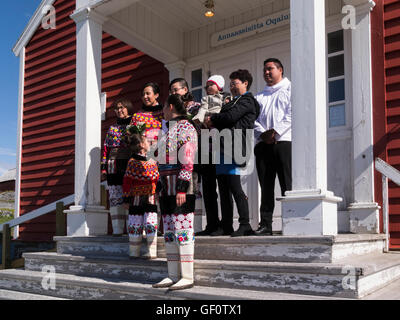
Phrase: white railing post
(385, 208)
(388, 173)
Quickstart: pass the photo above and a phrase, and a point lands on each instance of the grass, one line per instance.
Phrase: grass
(6, 213)
(5, 219)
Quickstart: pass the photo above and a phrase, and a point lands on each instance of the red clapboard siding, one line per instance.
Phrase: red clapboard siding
(48, 141)
(389, 105)
(48, 130)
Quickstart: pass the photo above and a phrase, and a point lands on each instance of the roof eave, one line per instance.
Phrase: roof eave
(32, 26)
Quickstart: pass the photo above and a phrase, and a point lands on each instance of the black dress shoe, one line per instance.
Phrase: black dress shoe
(263, 231)
(243, 231)
(203, 233)
(219, 233)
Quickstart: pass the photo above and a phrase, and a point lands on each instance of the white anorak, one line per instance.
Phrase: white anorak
(275, 112)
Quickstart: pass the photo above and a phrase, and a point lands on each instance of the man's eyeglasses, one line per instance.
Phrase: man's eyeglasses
(175, 90)
(234, 83)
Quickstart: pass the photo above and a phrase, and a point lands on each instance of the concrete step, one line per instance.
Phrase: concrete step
(353, 277)
(84, 288)
(23, 296)
(268, 249)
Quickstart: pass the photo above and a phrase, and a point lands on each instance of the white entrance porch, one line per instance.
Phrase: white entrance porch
(178, 34)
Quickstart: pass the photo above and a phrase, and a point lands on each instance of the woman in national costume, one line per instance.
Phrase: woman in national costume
(115, 159)
(176, 153)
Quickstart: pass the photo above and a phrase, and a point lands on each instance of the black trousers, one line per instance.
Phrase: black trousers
(272, 160)
(230, 185)
(210, 195)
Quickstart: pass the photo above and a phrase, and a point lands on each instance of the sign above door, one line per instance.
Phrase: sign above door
(250, 28)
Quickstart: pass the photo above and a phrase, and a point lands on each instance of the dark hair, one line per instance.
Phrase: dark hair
(178, 102)
(134, 141)
(181, 81)
(242, 75)
(126, 103)
(188, 96)
(154, 86)
(277, 62)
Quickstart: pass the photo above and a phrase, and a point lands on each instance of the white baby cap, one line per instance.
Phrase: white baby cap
(219, 81)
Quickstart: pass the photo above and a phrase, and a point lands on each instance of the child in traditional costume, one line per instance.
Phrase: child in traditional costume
(140, 182)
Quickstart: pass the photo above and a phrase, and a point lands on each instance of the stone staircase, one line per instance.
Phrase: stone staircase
(344, 266)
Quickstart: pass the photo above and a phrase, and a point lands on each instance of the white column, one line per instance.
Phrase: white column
(87, 217)
(176, 70)
(364, 212)
(310, 209)
(19, 139)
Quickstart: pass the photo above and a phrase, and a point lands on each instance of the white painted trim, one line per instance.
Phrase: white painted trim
(108, 7)
(363, 157)
(19, 138)
(126, 35)
(84, 14)
(103, 101)
(88, 111)
(32, 26)
(176, 70)
(385, 206)
(363, 6)
(280, 35)
(38, 213)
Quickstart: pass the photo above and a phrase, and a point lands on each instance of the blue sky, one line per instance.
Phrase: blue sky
(15, 17)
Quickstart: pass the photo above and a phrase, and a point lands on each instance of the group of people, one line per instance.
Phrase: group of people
(140, 187)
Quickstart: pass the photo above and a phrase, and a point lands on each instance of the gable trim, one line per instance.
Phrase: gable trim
(32, 26)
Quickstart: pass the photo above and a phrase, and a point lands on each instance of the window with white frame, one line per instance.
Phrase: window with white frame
(336, 80)
(197, 84)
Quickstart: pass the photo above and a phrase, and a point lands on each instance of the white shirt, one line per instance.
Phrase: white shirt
(275, 111)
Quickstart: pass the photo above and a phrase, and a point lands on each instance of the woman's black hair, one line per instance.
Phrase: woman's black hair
(188, 96)
(178, 102)
(154, 86)
(242, 75)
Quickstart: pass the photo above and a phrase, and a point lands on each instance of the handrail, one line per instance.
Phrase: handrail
(388, 172)
(57, 206)
(38, 212)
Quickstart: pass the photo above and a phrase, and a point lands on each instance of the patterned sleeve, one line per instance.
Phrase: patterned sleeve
(187, 153)
(105, 153)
